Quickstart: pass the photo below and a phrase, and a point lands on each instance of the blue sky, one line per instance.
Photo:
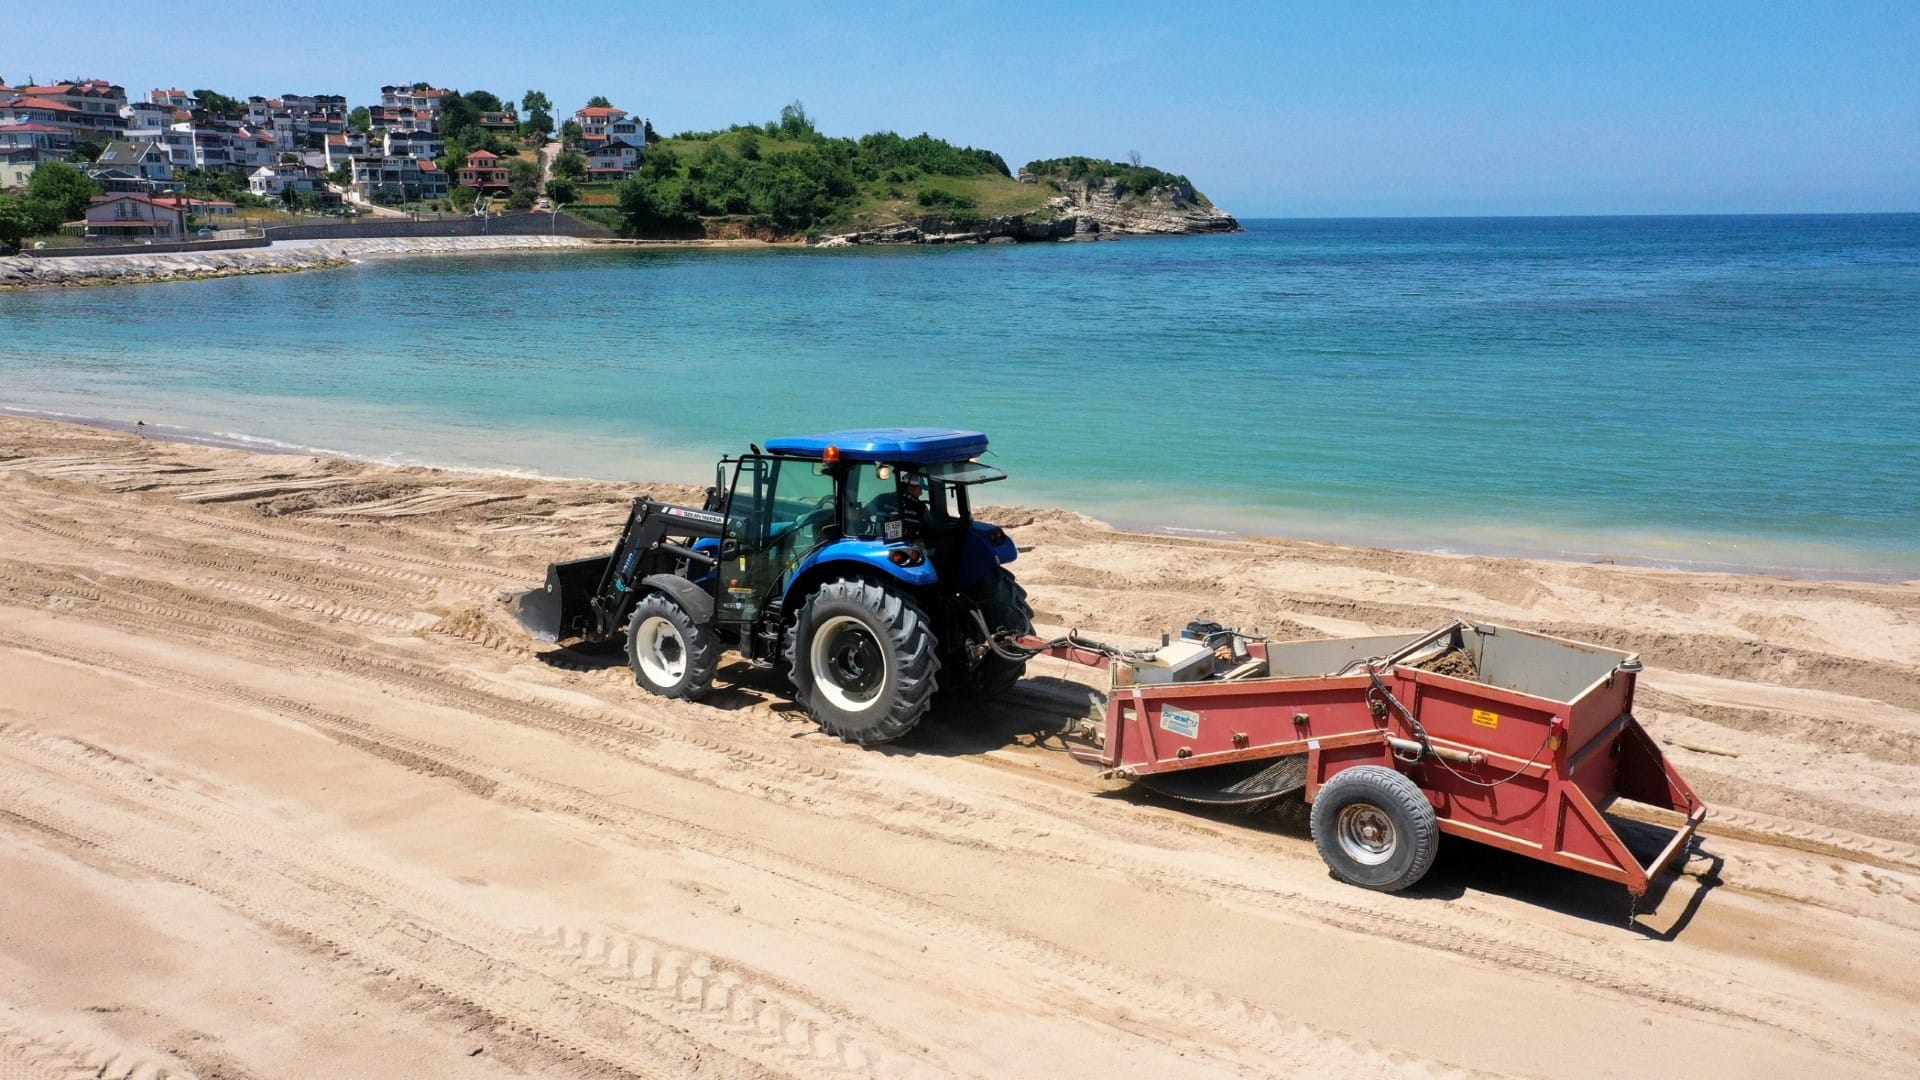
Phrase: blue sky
(1349, 109)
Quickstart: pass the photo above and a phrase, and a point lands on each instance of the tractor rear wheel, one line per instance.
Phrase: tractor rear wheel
(671, 655)
(1375, 828)
(862, 659)
(1003, 604)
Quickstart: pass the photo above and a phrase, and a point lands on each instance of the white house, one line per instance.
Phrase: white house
(616, 159)
(341, 149)
(419, 145)
(54, 140)
(271, 181)
(17, 165)
(397, 179)
(145, 163)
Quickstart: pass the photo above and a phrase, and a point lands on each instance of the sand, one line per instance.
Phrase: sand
(285, 793)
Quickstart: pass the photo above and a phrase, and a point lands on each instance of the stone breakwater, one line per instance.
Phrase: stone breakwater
(20, 271)
(1082, 211)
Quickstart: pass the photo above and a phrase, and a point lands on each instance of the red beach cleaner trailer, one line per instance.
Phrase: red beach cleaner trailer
(1503, 736)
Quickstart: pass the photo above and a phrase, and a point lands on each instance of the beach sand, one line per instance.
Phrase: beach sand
(284, 792)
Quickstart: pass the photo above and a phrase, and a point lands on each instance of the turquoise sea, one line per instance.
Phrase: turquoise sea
(1706, 392)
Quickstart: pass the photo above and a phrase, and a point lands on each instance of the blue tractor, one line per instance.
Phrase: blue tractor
(849, 560)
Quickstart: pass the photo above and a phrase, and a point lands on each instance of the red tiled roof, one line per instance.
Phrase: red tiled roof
(48, 128)
(42, 103)
(428, 166)
(483, 155)
(597, 110)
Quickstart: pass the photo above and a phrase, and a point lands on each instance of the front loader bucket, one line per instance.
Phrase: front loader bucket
(563, 608)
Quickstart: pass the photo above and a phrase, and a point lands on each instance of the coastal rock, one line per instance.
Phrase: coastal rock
(1176, 209)
(1083, 211)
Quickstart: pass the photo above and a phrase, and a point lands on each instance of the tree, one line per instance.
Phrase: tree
(539, 122)
(61, 189)
(570, 165)
(562, 190)
(534, 101)
(662, 164)
(570, 135)
(485, 101)
(463, 198)
(360, 119)
(524, 176)
(648, 135)
(794, 121)
(598, 101)
(17, 221)
(214, 103)
(459, 119)
(520, 200)
(456, 158)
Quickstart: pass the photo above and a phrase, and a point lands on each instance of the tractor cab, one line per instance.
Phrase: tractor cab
(894, 499)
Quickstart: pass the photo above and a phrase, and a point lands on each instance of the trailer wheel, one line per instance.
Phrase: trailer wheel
(1003, 603)
(671, 655)
(862, 660)
(1375, 828)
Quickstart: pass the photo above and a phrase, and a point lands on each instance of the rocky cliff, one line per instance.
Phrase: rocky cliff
(1084, 210)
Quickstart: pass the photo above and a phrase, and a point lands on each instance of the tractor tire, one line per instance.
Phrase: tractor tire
(671, 655)
(1375, 828)
(1003, 603)
(863, 661)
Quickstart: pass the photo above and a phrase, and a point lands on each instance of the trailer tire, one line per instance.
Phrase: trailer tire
(671, 654)
(863, 661)
(1003, 603)
(1375, 828)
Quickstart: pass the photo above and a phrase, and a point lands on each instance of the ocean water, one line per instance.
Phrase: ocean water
(1705, 392)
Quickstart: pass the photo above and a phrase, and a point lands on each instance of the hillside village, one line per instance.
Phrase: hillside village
(84, 167)
(181, 163)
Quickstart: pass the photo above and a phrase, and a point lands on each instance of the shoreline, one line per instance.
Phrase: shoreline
(1119, 524)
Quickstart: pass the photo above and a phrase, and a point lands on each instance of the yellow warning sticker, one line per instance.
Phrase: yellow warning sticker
(1486, 719)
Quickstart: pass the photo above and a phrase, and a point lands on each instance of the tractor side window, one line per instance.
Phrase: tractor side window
(749, 481)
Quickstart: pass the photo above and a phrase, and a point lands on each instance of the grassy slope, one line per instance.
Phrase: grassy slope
(880, 202)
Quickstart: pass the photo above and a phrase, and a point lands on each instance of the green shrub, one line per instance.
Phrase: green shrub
(936, 199)
(1128, 179)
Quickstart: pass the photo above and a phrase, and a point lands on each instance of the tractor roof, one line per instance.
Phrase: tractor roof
(901, 445)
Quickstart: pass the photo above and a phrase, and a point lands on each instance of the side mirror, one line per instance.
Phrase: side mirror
(729, 548)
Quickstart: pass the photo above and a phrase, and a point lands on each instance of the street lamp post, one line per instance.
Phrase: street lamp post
(553, 219)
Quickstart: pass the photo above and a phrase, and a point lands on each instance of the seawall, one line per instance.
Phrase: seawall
(23, 272)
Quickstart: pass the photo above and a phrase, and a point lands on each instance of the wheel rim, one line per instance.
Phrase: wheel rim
(1366, 834)
(849, 667)
(660, 650)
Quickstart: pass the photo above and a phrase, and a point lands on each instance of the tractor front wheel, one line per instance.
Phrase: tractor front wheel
(671, 655)
(862, 660)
